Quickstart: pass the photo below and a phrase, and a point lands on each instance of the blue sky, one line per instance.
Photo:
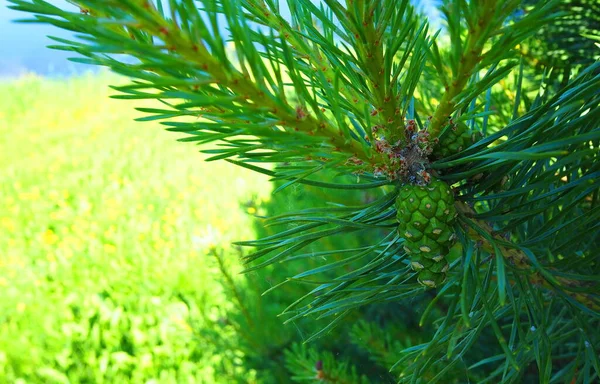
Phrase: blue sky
(24, 45)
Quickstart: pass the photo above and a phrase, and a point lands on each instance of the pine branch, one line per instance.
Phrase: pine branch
(382, 344)
(480, 29)
(317, 59)
(491, 242)
(375, 56)
(253, 96)
(308, 365)
(484, 20)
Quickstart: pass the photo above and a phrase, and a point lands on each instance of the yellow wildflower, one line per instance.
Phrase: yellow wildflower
(109, 248)
(8, 224)
(49, 237)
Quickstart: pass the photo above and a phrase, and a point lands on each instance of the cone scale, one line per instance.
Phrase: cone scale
(426, 215)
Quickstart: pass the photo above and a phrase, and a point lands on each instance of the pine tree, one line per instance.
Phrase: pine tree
(482, 175)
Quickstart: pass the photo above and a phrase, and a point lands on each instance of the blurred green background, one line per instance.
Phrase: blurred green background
(105, 228)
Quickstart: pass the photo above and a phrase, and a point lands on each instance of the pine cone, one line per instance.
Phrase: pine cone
(426, 215)
(454, 139)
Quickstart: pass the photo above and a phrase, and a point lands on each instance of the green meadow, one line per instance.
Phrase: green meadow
(106, 226)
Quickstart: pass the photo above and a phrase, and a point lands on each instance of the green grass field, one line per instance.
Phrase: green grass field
(105, 226)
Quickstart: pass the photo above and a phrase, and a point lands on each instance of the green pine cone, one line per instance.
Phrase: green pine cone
(426, 215)
(454, 139)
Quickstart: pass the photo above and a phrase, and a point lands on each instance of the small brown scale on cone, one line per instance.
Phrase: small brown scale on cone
(426, 215)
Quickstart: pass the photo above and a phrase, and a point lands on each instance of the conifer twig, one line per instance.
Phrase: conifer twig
(316, 57)
(519, 259)
(371, 51)
(470, 57)
(244, 86)
(241, 84)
